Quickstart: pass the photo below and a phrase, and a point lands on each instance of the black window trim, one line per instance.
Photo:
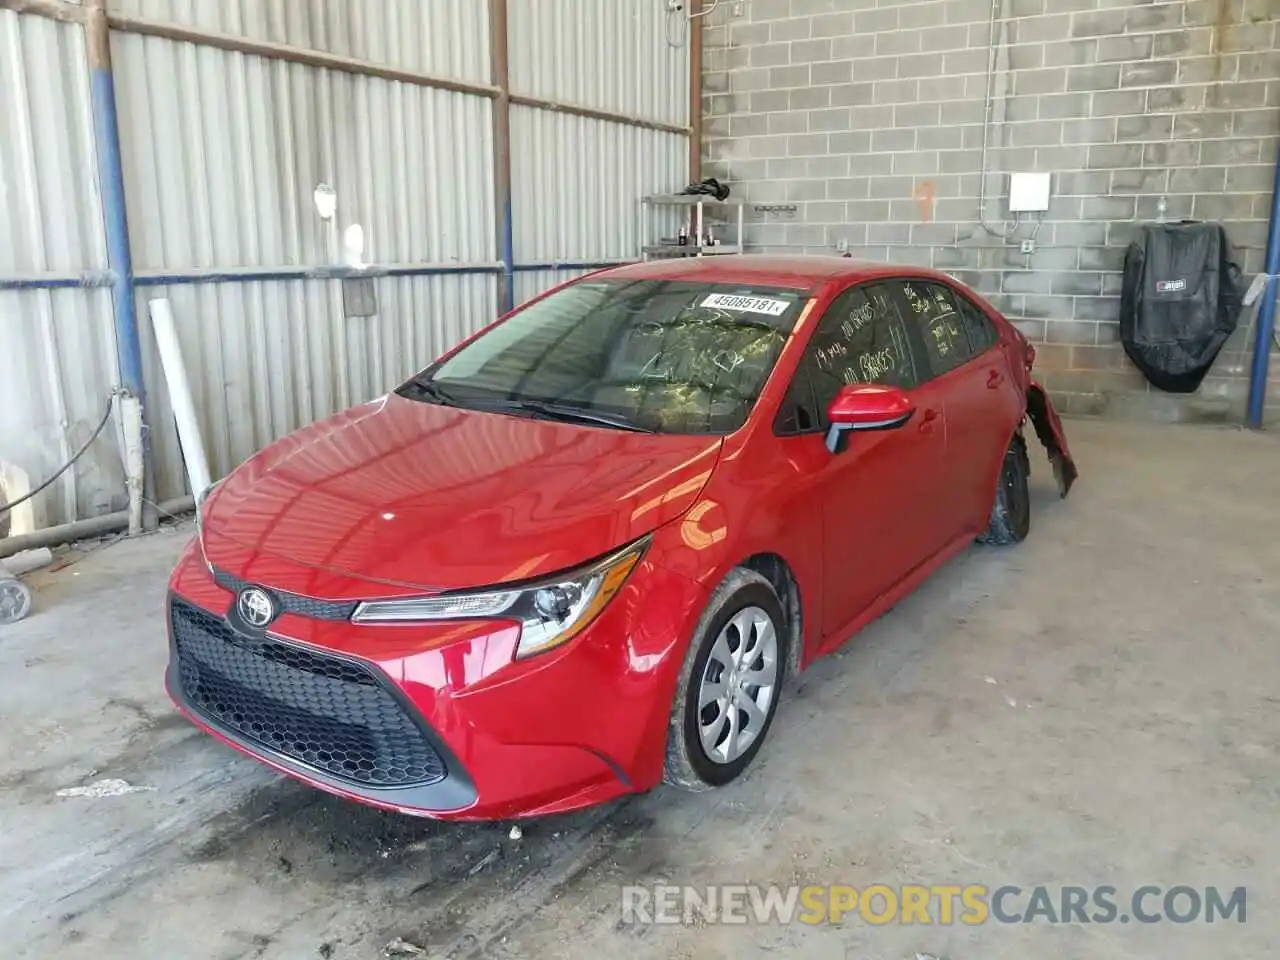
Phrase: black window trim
(964, 297)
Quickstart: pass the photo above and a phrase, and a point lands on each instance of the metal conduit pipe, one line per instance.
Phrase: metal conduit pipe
(85, 529)
(1266, 314)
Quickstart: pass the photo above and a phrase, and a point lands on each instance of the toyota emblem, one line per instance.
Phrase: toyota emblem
(256, 607)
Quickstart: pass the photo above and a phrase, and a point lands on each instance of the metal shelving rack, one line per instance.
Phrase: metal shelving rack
(701, 205)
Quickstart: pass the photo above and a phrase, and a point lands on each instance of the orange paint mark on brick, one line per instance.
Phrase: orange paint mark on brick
(924, 194)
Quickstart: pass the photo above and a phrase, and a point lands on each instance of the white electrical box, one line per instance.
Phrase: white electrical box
(1029, 192)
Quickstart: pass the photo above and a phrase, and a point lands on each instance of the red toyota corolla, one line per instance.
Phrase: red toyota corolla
(581, 553)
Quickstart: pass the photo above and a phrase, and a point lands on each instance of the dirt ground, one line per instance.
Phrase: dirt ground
(1096, 706)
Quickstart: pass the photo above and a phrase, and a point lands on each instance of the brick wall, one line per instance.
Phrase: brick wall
(867, 116)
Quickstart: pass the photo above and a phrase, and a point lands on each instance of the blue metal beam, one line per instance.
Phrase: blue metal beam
(1266, 315)
(109, 278)
(550, 265)
(94, 278)
(184, 277)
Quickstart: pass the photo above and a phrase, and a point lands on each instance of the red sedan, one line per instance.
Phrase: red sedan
(580, 554)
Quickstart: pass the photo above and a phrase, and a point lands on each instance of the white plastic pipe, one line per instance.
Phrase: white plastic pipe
(184, 410)
(131, 415)
(16, 485)
(27, 561)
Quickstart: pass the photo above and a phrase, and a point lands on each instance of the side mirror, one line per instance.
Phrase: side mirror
(871, 406)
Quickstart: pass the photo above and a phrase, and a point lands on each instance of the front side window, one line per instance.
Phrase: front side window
(654, 355)
(934, 312)
(860, 339)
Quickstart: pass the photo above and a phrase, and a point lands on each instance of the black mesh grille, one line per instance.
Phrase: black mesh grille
(329, 713)
(293, 603)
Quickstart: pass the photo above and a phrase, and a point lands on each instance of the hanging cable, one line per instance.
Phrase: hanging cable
(674, 37)
(677, 38)
(1004, 232)
(102, 424)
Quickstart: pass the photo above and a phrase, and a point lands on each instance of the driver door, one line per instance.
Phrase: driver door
(876, 497)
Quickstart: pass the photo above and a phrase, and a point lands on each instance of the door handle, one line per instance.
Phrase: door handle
(926, 420)
(994, 379)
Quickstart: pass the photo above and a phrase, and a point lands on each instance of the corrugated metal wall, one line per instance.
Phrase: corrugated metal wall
(266, 358)
(221, 151)
(577, 181)
(577, 184)
(449, 38)
(624, 56)
(57, 348)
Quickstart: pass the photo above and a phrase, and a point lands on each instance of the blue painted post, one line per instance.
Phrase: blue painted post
(508, 255)
(1266, 315)
(106, 133)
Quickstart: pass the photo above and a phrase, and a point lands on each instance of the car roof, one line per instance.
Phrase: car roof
(795, 271)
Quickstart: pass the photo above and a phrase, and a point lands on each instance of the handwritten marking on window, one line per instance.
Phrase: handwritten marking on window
(828, 355)
(918, 303)
(859, 318)
(876, 365)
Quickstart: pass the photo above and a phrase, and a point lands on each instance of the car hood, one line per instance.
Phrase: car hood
(422, 496)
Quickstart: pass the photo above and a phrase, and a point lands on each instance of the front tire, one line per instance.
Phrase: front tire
(1010, 520)
(728, 689)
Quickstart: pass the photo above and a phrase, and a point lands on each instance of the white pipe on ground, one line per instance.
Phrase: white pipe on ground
(27, 561)
(184, 410)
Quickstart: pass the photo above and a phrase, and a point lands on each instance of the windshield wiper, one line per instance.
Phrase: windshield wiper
(569, 414)
(719, 320)
(432, 391)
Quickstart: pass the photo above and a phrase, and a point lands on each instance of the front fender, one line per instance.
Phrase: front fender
(723, 530)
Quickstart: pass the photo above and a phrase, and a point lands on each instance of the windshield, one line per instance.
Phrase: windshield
(656, 355)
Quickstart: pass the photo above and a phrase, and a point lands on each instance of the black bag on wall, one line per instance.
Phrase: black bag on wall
(1180, 301)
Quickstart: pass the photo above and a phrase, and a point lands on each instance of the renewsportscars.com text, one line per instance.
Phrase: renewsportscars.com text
(942, 904)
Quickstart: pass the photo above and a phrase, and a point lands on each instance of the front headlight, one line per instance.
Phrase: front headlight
(550, 612)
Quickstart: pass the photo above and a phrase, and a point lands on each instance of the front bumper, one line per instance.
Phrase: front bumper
(438, 720)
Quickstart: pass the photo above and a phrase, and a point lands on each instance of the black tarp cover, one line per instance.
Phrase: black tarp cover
(1179, 303)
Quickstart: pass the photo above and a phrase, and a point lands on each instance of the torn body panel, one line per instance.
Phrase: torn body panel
(1049, 430)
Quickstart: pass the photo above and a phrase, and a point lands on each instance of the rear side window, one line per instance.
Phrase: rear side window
(862, 338)
(982, 332)
(946, 338)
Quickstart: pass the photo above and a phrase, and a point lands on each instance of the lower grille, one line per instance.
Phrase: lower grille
(326, 712)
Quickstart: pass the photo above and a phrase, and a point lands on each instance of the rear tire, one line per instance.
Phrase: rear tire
(1011, 512)
(740, 650)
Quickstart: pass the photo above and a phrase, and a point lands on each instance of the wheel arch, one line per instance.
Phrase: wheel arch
(774, 568)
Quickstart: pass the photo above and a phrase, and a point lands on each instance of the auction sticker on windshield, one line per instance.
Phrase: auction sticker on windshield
(765, 305)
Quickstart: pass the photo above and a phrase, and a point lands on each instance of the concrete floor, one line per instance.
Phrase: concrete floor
(1096, 706)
